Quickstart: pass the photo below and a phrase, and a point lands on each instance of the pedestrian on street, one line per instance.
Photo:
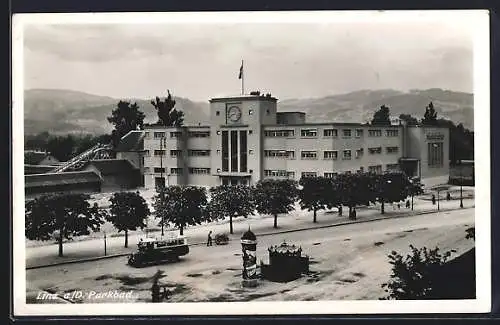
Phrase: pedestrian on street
(448, 196)
(407, 204)
(209, 240)
(433, 199)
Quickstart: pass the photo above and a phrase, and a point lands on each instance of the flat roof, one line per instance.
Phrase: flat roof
(244, 97)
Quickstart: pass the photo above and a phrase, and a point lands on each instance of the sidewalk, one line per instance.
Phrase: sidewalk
(260, 225)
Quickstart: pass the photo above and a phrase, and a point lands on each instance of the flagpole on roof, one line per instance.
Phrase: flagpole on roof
(242, 77)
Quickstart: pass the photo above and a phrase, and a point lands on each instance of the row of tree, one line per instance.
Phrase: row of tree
(181, 206)
(461, 139)
(125, 117)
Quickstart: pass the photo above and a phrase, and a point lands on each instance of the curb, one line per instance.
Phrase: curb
(97, 258)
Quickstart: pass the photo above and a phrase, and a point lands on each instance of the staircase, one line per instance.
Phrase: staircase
(99, 151)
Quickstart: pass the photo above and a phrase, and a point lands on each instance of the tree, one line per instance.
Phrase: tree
(231, 201)
(408, 119)
(65, 215)
(275, 196)
(125, 118)
(389, 187)
(382, 116)
(181, 205)
(128, 211)
(167, 114)
(353, 189)
(430, 115)
(61, 147)
(415, 276)
(316, 194)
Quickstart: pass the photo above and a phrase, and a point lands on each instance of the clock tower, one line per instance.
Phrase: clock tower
(235, 132)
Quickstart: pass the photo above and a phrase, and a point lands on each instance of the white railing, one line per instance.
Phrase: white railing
(81, 158)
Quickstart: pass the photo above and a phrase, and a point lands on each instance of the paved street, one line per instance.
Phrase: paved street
(47, 254)
(351, 261)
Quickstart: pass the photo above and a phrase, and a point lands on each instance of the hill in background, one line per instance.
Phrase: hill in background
(67, 111)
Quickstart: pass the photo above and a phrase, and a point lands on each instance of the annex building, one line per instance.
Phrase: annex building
(248, 140)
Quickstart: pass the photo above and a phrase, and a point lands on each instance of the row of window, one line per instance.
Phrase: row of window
(290, 174)
(288, 154)
(311, 133)
(179, 171)
(178, 153)
(331, 133)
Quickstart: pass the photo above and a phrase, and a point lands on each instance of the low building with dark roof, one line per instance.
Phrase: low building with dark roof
(69, 182)
(115, 174)
(131, 148)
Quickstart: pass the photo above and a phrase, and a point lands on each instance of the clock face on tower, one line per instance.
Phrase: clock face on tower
(234, 113)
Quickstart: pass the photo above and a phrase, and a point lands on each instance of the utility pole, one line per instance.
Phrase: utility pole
(461, 184)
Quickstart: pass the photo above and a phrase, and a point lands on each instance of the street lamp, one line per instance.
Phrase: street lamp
(461, 183)
(104, 243)
(412, 192)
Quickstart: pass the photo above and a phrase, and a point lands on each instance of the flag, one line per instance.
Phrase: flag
(241, 71)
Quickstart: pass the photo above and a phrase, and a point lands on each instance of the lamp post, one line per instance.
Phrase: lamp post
(461, 183)
(438, 198)
(105, 244)
(412, 192)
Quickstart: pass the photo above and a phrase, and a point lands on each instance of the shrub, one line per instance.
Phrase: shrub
(416, 275)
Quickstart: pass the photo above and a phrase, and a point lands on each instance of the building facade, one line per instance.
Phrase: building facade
(248, 140)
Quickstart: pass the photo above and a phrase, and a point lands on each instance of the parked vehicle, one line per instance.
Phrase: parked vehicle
(221, 239)
(157, 250)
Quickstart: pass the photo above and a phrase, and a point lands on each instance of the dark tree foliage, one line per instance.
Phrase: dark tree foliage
(231, 201)
(382, 116)
(61, 147)
(410, 120)
(128, 211)
(167, 114)
(430, 115)
(316, 194)
(181, 206)
(416, 275)
(67, 215)
(275, 197)
(125, 118)
(390, 187)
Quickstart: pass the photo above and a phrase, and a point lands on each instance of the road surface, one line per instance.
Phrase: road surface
(350, 262)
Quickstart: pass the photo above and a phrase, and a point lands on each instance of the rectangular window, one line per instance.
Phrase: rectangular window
(199, 171)
(176, 134)
(290, 175)
(279, 154)
(392, 149)
(392, 167)
(234, 151)
(279, 133)
(346, 155)
(176, 171)
(435, 154)
(243, 151)
(359, 153)
(146, 170)
(146, 135)
(330, 133)
(146, 153)
(330, 175)
(176, 153)
(198, 153)
(392, 132)
(159, 170)
(377, 169)
(309, 133)
(359, 133)
(333, 155)
(159, 152)
(275, 173)
(199, 134)
(375, 150)
(374, 133)
(159, 135)
(225, 151)
(308, 174)
(308, 155)
(346, 133)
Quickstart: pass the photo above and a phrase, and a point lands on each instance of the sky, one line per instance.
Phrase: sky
(289, 60)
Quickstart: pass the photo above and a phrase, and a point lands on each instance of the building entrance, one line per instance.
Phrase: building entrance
(234, 180)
